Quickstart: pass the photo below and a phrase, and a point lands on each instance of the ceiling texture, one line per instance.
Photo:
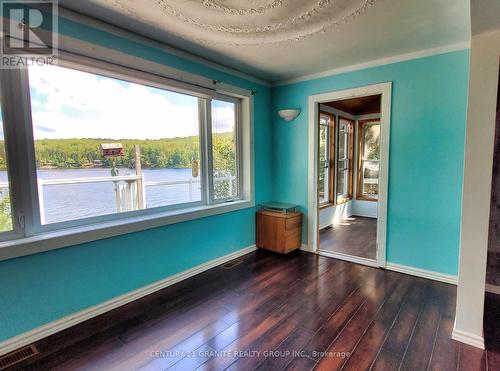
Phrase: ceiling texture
(282, 39)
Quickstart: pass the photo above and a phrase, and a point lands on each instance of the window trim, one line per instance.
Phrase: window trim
(23, 199)
(332, 156)
(359, 190)
(29, 240)
(341, 199)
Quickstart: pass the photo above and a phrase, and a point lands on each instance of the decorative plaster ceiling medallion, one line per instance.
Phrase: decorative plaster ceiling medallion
(234, 6)
(117, 4)
(232, 22)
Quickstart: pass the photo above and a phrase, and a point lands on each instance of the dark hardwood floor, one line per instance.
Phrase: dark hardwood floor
(272, 312)
(356, 236)
(493, 268)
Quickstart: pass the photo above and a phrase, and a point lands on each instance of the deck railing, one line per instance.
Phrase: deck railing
(130, 190)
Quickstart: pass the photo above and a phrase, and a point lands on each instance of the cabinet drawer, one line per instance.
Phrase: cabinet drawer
(278, 232)
(293, 223)
(292, 240)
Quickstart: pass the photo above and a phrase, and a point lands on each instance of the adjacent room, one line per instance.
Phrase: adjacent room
(249, 185)
(348, 181)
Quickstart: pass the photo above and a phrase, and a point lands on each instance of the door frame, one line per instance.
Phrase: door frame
(385, 90)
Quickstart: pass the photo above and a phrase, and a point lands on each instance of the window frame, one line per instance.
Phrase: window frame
(14, 173)
(331, 159)
(156, 83)
(28, 230)
(239, 145)
(359, 183)
(343, 198)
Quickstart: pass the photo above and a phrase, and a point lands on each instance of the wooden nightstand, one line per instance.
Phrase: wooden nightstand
(279, 232)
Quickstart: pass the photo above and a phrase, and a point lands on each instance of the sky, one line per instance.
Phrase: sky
(71, 104)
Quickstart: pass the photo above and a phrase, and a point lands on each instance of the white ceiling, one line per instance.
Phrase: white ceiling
(282, 39)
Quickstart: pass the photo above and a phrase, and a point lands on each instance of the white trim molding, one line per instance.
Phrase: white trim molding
(385, 90)
(349, 258)
(477, 180)
(467, 338)
(377, 62)
(51, 328)
(424, 273)
(305, 247)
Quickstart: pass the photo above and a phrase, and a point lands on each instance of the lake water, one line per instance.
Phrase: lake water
(75, 201)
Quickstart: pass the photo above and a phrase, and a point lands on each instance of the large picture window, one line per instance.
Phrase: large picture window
(326, 169)
(77, 116)
(344, 159)
(369, 160)
(105, 143)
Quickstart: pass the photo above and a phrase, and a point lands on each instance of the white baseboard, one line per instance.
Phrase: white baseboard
(494, 289)
(305, 247)
(61, 324)
(349, 258)
(436, 276)
(467, 338)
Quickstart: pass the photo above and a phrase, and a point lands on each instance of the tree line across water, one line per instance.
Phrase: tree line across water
(172, 153)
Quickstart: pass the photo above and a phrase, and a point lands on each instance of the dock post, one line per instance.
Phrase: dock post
(140, 183)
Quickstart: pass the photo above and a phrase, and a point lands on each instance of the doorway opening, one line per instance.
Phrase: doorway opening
(348, 176)
(350, 167)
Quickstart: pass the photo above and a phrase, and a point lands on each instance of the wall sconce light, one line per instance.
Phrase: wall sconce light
(289, 114)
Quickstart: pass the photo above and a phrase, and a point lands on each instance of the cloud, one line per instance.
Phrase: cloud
(222, 117)
(43, 128)
(73, 104)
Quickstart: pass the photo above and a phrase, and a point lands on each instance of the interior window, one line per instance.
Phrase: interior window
(326, 160)
(225, 153)
(5, 201)
(344, 159)
(368, 174)
(105, 145)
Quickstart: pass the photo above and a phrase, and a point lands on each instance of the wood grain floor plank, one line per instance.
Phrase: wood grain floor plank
(292, 305)
(387, 361)
(471, 358)
(421, 345)
(345, 343)
(355, 235)
(369, 346)
(235, 341)
(301, 364)
(327, 334)
(263, 348)
(406, 320)
(288, 350)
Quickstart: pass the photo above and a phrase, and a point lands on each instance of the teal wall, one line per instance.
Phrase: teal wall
(427, 146)
(429, 101)
(41, 288)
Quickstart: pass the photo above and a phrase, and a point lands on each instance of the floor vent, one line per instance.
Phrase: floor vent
(232, 264)
(17, 356)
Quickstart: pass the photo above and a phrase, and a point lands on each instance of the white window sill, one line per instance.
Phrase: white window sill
(92, 232)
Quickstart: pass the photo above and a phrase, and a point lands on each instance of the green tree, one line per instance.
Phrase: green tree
(5, 214)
